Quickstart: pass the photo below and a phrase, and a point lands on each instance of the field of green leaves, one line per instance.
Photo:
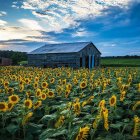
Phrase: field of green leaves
(67, 104)
(121, 62)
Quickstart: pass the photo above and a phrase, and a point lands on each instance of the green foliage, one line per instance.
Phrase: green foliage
(120, 62)
(15, 56)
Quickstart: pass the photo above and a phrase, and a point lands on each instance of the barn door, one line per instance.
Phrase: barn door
(87, 61)
(80, 61)
(93, 61)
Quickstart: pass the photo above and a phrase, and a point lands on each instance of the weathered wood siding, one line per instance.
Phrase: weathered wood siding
(88, 57)
(54, 60)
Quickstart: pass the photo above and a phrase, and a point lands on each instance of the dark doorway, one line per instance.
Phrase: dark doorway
(87, 61)
(80, 61)
(91, 61)
(0, 60)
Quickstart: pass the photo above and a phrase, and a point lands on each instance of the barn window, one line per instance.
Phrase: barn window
(80, 61)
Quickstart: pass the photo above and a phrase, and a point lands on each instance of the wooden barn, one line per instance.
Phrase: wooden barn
(5, 61)
(79, 54)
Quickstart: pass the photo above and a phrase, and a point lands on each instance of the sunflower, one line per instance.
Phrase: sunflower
(139, 87)
(58, 74)
(136, 105)
(96, 121)
(84, 103)
(76, 107)
(10, 106)
(21, 82)
(83, 84)
(43, 96)
(28, 103)
(52, 80)
(102, 103)
(83, 133)
(69, 105)
(59, 81)
(10, 90)
(35, 85)
(28, 93)
(38, 92)
(105, 116)
(44, 84)
(36, 79)
(50, 94)
(69, 86)
(64, 81)
(136, 125)
(75, 81)
(37, 104)
(26, 118)
(69, 74)
(6, 83)
(60, 121)
(3, 106)
(14, 99)
(112, 100)
(27, 80)
(59, 90)
(21, 88)
(90, 99)
(67, 92)
(122, 96)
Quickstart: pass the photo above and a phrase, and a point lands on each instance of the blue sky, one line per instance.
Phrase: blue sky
(112, 25)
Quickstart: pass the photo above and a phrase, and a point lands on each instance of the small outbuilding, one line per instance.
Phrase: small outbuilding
(5, 61)
(79, 54)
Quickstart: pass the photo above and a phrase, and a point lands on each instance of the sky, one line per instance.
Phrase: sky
(112, 25)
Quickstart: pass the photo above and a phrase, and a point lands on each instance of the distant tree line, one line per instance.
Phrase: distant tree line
(14, 55)
(126, 56)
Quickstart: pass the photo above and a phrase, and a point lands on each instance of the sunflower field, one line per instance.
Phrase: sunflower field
(68, 104)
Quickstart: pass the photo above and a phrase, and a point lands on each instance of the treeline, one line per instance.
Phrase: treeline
(126, 56)
(14, 55)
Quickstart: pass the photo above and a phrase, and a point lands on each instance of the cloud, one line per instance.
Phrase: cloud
(2, 13)
(2, 22)
(9, 33)
(82, 33)
(61, 14)
(30, 24)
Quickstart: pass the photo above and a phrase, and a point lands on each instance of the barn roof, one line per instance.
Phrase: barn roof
(61, 48)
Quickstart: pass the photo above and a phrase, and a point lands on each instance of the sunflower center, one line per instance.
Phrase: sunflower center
(14, 98)
(112, 100)
(50, 93)
(6, 84)
(43, 96)
(44, 84)
(9, 105)
(36, 104)
(27, 103)
(2, 106)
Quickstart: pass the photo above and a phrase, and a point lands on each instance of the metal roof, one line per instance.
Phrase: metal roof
(60, 48)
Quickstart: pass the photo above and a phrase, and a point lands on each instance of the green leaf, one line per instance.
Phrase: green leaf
(64, 112)
(52, 133)
(49, 117)
(12, 128)
(34, 128)
(116, 126)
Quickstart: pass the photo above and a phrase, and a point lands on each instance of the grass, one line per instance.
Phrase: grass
(120, 62)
